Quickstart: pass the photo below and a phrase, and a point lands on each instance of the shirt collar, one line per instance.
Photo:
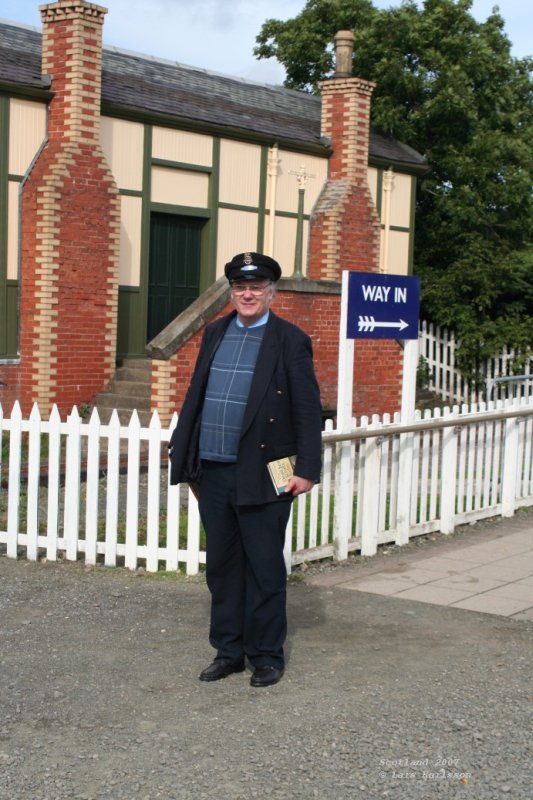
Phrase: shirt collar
(261, 321)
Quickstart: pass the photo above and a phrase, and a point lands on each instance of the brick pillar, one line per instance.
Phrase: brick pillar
(70, 225)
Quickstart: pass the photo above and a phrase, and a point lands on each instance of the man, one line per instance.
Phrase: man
(253, 398)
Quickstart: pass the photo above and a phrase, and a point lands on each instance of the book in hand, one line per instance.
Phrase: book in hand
(281, 471)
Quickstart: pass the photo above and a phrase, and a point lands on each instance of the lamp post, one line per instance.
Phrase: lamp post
(301, 176)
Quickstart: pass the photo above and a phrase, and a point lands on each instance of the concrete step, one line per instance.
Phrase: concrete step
(137, 365)
(119, 400)
(129, 375)
(129, 388)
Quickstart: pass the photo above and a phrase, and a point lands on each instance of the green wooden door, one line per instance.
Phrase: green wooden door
(174, 269)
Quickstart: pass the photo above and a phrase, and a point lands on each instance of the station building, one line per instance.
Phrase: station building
(127, 182)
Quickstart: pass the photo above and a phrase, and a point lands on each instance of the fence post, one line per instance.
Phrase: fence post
(72, 485)
(510, 466)
(93, 474)
(405, 487)
(154, 486)
(132, 483)
(13, 491)
(326, 487)
(54, 456)
(448, 488)
(343, 509)
(34, 469)
(113, 468)
(371, 496)
(173, 510)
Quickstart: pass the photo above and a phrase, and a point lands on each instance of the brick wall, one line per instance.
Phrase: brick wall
(9, 386)
(377, 370)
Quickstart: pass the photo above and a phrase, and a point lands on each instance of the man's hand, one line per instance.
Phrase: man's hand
(298, 485)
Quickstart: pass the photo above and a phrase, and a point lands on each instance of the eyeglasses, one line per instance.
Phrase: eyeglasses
(257, 289)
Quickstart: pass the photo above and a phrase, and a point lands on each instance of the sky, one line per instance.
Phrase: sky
(219, 35)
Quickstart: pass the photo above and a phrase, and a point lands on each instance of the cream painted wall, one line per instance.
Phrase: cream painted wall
(285, 245)
(237, 233)
(130, 241)
(400, 200)
(122, 143)
(27, 129)
(180, 187)
(398, 252)
(181, 146)
(12, 230)
(240, 172)
(400, 207)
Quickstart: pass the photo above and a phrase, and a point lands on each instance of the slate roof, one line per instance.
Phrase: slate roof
(138, 85)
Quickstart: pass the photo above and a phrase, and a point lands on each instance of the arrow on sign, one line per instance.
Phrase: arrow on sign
(369, 323)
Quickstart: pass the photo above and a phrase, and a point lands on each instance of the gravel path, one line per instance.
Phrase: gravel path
(381, 698)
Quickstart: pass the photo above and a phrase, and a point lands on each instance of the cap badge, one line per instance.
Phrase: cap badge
(248, 258)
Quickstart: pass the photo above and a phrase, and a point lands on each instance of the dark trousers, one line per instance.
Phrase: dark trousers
(246, 572)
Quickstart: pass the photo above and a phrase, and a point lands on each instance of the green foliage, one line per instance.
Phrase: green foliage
(304, 44)
(423, 373)
(447, 86)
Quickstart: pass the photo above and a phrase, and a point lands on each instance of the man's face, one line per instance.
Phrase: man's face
(252, 299)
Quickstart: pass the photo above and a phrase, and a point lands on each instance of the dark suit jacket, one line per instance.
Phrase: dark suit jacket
(282, 416)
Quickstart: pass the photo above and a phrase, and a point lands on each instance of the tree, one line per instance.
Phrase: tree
(447, 86)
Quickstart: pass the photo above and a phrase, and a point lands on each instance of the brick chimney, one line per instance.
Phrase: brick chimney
(345, 224)
(70, 225)
(345, 227)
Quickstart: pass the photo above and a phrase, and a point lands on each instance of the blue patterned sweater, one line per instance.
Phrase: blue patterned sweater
(227, 391)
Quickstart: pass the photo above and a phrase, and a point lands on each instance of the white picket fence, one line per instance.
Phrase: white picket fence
(438, 345)
(99, 493)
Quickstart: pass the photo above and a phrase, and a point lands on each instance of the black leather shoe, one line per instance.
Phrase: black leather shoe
(221, 668)
(266, 676)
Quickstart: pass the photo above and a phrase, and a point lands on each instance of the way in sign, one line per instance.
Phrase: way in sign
(382, 306)
(368, 323)
(375, 293)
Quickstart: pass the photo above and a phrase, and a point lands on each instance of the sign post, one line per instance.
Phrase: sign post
(346, 362)
(343, 509)
(374, 306)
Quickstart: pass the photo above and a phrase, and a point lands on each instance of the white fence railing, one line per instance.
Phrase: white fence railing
(437, 346)
(82, 490)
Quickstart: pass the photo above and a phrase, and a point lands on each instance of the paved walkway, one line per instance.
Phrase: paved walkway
(488, 570)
